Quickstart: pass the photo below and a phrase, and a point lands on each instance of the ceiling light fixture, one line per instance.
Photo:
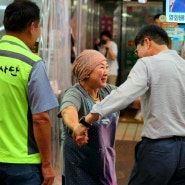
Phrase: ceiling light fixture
(142, 1)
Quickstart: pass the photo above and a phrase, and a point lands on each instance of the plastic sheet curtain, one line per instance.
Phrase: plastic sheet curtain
(85, 26)
(55, 50)
(55, 42)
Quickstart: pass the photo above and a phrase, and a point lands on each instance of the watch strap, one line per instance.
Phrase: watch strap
(83, 122)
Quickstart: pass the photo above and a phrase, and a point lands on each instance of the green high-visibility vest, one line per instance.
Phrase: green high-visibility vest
(17, 144)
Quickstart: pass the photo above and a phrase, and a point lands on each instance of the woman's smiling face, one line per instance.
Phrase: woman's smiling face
(99, 75)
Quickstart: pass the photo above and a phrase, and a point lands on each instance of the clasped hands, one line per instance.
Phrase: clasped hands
(80, 134)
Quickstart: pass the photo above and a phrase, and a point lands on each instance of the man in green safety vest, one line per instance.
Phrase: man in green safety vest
(26, 97)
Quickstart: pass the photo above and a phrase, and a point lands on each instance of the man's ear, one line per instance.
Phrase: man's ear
(148, 42)
(32, 28)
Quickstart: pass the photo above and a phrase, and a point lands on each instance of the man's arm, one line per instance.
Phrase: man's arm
(42, 134)
(135, 86)
(111, 50)
(91, 118)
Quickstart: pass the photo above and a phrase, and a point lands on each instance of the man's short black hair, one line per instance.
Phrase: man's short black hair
(20, 14)
(154, 32)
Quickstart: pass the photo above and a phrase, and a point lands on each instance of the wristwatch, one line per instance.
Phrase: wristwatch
(83, 122)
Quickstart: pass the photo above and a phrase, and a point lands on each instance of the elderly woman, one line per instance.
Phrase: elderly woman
(94, 162)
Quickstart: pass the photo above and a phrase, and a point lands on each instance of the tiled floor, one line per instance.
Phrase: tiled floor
(129, 128)
(129, 131)
(128, 134)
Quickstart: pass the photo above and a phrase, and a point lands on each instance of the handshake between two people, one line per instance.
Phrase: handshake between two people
(80, 132)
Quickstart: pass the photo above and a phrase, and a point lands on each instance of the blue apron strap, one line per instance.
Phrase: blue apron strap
(83, 92)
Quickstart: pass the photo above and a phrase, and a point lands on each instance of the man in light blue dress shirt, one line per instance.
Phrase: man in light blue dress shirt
(158, 78)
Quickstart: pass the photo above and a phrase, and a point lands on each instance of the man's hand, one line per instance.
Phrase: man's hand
(48, 174)
(42, 133)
